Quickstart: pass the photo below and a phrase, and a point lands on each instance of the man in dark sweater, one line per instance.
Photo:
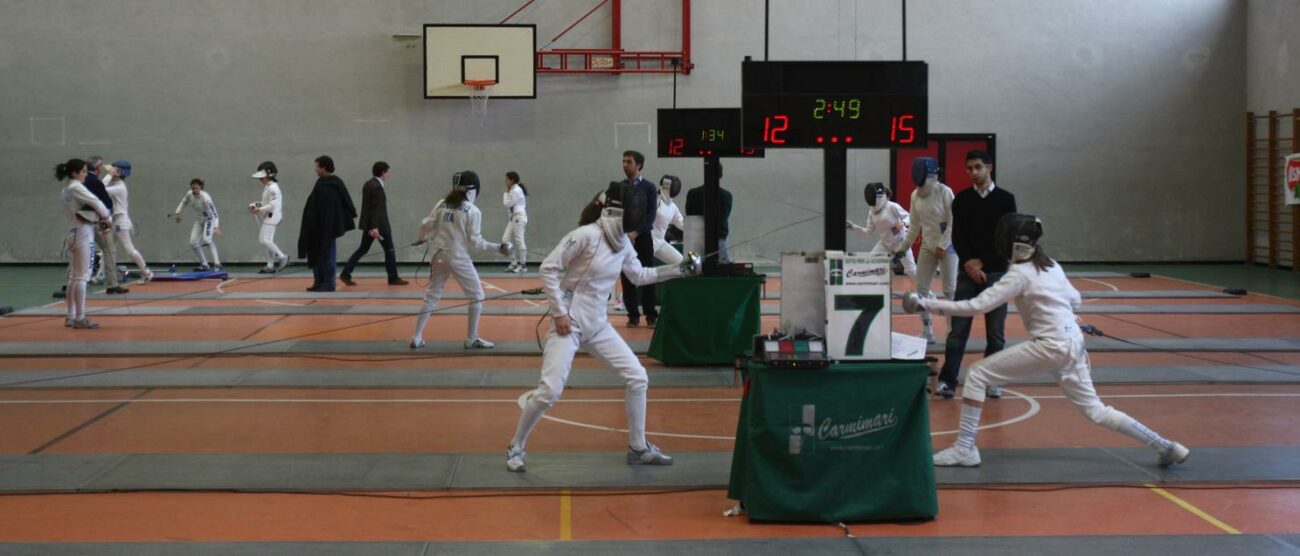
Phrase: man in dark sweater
(975, 215)
(695, 207)
(639, 299)
(328, 215)
(374, 225)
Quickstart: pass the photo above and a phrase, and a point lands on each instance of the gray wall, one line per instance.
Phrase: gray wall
(1116, 120)
(1273, 56)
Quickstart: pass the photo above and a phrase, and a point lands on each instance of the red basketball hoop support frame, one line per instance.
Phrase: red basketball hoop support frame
(614, 60)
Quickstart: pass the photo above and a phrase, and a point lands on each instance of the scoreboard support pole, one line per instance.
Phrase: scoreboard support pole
(835, 169)
(712, 218)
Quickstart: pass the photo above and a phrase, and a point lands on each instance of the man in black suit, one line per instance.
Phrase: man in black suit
(374, 224)
(638, 299)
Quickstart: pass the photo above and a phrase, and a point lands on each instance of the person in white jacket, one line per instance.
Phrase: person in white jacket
(115, 182)
(453, 226)
(667, 214)
(207, 224)
(1046, 302)
(270, 212)
(515, 200)
(889, 219)
(85, 213)
(931, 218)
(577, 277)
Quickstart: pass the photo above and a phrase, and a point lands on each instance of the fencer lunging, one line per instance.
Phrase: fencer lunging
(515, 200)
(1046, 302)
(931, 218)
(889, 219)
(207, 224)
(667, 214)
(269, 212)
(123, 228)
(577, 277)
(454, 225)
(83, 209)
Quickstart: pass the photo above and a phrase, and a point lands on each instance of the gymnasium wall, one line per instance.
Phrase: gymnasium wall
(1118, 122)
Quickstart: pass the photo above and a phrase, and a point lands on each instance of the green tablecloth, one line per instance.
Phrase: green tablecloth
(707, 320)
(847, 443)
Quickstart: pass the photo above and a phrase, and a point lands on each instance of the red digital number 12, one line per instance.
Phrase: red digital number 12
(770, 132)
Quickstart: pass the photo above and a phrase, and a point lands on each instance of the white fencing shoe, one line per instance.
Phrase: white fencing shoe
(516, 459)
(956, 456)
(417, 343)
(1176, 453)
(479, 343)
(649, 456)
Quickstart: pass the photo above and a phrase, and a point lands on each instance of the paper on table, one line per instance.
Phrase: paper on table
(903, 346)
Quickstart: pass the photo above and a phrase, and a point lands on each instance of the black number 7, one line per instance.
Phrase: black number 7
(869, 305)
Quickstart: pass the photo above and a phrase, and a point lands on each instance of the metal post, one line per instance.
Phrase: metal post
(616, 25)
(712, 207)
(1273, 177)
(836, 176)
(1250, 188)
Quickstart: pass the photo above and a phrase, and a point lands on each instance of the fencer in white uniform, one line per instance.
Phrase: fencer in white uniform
(207, 223)
(269, 212)
(453, 226)
(123, 228)
(665, 215)
(577, 277)
(931, 218)
(1046, 302)
(889, 219)
(515, 200)
(83, 209)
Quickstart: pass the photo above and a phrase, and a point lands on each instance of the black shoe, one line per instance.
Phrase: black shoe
(651, 321)
(117, 289)
(315, 289)
(266, 271)
(347, 279)
(945, 391)
(633, 322)
(397, 282)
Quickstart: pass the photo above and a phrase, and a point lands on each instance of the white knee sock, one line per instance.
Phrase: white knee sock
(634, 404)
(1139, 432)
(475, 312)
(216, 261)
(529, 417)
(423, 319)
(198, 252)
(78, 294)
(970, 422)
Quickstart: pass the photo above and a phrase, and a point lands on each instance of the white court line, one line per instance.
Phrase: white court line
(1112, 287)
(274, 302)
(224, 283)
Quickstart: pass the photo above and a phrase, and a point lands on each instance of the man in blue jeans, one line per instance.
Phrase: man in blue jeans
(975, 215)
(328, 215)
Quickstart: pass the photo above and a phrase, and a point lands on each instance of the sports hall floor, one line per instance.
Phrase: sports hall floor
(248, 416)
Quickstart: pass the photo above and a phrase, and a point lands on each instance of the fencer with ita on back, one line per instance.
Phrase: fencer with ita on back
(1046, 302)
(577, 278)
(452, 228)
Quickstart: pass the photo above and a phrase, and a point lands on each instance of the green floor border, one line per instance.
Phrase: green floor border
(1283, 283)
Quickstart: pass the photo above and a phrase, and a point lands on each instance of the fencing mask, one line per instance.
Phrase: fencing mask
(1016, 236)
(875, 195)
(622, 210)
(265, 170)
(925, 173)
(670, 186)
(467, 181)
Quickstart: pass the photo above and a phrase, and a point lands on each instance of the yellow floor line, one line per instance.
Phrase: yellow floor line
(566, 515)
(1194, 510)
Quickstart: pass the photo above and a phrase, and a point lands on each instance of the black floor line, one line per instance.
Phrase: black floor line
(88, 423)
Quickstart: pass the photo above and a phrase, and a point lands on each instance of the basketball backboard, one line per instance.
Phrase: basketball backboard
(456, 53)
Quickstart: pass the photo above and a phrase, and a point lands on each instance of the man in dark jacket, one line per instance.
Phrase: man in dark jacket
(374, 225)
(636, 299)
(328, 215)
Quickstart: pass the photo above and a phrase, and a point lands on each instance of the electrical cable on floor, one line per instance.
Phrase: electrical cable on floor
(1094, 331)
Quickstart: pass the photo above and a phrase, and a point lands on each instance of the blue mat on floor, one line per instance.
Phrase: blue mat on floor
(191, 276)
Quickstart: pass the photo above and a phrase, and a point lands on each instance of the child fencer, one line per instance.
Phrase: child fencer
(577, 278)
(516, 202)
(123, 229)
(931, 218)
(269, 212)
(1046, 302)
(87, 215)
(667, 214)
(889, 219)
(453, 227)
(206, 224)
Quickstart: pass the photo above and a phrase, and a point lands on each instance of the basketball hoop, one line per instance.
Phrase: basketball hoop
(479, 92)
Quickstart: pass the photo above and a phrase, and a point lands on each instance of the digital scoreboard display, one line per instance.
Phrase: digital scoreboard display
(856, 105)
(701, 132)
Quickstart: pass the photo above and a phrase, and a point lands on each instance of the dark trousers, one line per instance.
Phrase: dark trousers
(390, 253)
(959, 330)
(323, 271)
(642, 299)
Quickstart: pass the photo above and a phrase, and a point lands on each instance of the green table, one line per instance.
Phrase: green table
(707, 320)
(846, 443)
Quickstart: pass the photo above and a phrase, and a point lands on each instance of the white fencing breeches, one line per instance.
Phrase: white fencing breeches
(925, 270)
(909, 263)
(79, 240)
(445, 265)
(128, 248)
(266, 236)
(201, 235)
(557, 361)
(665, 252)
(514, 235)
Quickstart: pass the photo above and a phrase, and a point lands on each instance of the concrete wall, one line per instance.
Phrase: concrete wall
(1273, 55)
(1116, 120)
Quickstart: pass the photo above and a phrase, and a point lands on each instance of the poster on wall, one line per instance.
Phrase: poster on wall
(1292, 180)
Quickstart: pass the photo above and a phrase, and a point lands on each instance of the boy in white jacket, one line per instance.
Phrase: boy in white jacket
(270, 211)
(207, 224)
(889, 219)
(515, 200)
